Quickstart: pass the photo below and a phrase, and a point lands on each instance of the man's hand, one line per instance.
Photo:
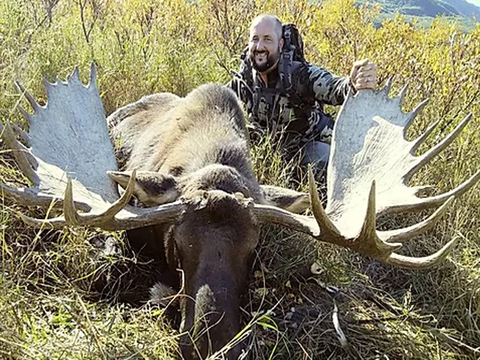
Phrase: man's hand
(363, 75)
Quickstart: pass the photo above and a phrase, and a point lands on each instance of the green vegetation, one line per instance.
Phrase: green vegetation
(62, 296)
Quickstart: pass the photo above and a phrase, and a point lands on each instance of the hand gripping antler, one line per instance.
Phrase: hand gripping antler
(70, 152)
(371, 163)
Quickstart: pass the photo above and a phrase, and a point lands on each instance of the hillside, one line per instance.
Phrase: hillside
(464, 8)
(430, 8)
(426, 10)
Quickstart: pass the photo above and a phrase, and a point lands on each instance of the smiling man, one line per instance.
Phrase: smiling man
(285, 95)
(265, 44)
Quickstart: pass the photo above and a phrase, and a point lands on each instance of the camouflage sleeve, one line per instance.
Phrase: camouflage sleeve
(322, 85)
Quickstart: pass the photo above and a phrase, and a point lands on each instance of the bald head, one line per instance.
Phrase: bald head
(273, 20)
(266, 42)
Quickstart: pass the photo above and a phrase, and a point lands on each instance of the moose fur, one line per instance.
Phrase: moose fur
(196, 147)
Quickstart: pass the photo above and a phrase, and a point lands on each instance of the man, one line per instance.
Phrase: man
(286, 98)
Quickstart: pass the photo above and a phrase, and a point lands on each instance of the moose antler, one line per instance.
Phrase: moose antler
(70, 152)
(67, 139)
(371, 163)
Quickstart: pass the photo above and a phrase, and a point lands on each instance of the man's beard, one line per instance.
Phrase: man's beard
(271, 61)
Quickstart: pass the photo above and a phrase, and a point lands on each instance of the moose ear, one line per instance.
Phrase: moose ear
(293, 201)
(151, 188)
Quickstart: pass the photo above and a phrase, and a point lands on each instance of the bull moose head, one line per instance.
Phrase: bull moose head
(186, 159)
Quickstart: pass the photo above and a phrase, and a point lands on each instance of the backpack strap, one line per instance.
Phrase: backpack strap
(286, 67)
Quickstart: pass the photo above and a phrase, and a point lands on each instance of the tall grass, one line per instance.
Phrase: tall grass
(68, 294)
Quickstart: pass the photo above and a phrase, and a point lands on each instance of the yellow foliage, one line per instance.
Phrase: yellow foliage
(173, 45)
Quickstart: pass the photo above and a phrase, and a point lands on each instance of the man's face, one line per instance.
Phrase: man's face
(264, 46)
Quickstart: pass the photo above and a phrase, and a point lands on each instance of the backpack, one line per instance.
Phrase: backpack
(293, 42)
(292, 50)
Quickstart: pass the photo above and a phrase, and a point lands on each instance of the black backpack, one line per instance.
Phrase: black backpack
(293, 42)
(292, 51)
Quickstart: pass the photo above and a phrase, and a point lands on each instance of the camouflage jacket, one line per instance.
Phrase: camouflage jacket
(296, 118)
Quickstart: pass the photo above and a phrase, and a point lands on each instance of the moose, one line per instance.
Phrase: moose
(186, 163)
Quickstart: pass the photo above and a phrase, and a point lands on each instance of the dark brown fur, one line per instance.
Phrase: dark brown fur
(199, 144)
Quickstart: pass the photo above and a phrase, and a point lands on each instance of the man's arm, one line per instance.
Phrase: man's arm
(331, 89)
(319, 84)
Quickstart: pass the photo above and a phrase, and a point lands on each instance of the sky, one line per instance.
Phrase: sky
(474, 2)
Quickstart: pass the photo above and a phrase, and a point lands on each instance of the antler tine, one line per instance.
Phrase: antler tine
(74, 76)
(433, 201)
(425, 158)
(93, 75)
(14, 144)
(368, 241)
(414, 114)
(72, 217)
(370, 221)
(388, 86)
(401, 235)
(21, 133)
(20, 154)
(56, 223)
(24, 113)
(48, 87)
(325, 224)
(16, 130)
(28, 96)
(401, 95)
(457, 192)
(418, 141)
(123, 201)
(407, 262)
(70, 213)
(30, 158)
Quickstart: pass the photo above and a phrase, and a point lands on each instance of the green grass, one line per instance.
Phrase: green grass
(63, 295)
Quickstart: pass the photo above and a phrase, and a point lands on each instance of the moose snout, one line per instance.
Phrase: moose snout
(212, 321)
